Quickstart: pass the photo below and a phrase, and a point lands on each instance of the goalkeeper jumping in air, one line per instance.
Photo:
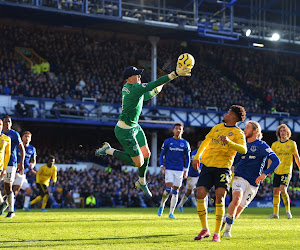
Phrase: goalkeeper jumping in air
(128, 132)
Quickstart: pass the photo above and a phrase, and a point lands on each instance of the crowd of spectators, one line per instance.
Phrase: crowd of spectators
(90, 64)
(112, 188)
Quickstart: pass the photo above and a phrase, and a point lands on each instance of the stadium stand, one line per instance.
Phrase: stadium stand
(89, 64)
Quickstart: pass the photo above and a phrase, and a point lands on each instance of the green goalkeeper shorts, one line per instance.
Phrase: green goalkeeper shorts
(131, 139)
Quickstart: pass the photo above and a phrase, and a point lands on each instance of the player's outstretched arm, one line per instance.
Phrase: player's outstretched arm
(275, 163)
(150, 94)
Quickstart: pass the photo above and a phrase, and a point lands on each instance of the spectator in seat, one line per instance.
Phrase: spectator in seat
(90, 201)
(20, 109)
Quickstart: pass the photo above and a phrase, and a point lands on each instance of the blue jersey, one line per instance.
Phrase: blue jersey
(250, 165)
(30, 152)
(174, 151)
(15, 142)
(193, 172)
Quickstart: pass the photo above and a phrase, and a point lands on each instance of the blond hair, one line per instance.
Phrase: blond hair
(257, 127)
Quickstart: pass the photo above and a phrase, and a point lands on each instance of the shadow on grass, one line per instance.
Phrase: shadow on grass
(77, 220)
(69, 241)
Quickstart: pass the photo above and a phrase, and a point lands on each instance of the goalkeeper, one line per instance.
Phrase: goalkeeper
(128, 132)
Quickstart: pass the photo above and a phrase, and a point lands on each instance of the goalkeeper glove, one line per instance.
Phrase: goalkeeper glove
(180, 71)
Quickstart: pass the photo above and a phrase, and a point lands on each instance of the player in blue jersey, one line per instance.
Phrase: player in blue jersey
(176, 153)
(191, 182)
(248, 173)
(12, 165)
(29, 164)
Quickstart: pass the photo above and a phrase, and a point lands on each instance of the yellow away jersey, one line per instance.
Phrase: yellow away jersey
(217, 154)
(284, 151)
(44, 175)
(5, 147)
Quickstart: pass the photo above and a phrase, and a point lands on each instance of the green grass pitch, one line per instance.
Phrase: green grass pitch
(141, 228)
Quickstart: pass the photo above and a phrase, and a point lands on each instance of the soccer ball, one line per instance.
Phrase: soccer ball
(186, 60)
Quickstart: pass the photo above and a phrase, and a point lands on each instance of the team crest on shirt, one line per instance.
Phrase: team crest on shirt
(134, 148)
(230, 134)
(287, 146)
(144, 85)
(181, 145)
(253, 148)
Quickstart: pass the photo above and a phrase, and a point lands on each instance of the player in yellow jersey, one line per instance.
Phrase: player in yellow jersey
(43, 177)
(218, 151)
(285, 149)
(5, 144)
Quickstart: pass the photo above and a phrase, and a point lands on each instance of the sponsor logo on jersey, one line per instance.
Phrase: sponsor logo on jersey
(253, 148)
(176, 149)
(252, 157)
(230, 134)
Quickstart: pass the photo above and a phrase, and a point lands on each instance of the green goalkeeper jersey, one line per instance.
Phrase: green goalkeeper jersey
(133, 96)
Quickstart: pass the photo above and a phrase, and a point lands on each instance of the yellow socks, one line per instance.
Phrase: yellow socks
(37, 199)
(220, 211)
(202, 212)
(286, 201)
(45, 199)
(276, 200)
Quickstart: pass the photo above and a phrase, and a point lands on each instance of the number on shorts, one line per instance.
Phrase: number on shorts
(284, 179)
(8, 175)
(249, 197)
(223, 178)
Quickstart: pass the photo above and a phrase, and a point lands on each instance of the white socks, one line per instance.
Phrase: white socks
(183, 200)
(11, 201)
(26, 201)
(173, 203)
(164, 198)
(1, 198)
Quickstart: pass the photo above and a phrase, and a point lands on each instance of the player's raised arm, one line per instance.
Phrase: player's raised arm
(182, 69)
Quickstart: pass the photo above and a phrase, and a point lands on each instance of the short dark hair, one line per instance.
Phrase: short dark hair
(6, 117)
(27, 132)
(179, 124)
(239, 111)
(51, 157)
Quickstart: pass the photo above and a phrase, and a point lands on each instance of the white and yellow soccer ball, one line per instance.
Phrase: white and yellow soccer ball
(186, 60)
